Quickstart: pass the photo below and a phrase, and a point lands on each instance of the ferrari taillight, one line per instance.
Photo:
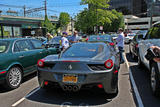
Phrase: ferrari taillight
(108, 64)
(111, 44)
(40, 63)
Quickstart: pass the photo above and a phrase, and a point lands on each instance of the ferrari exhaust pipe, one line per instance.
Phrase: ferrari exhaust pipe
(75, 88)
(69, 88)
(65, 88)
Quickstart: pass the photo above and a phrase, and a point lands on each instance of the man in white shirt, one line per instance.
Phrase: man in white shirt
(65, 42)
(120, 44)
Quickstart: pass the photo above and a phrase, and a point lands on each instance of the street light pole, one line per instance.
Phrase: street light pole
(24, 10)
(45, 7)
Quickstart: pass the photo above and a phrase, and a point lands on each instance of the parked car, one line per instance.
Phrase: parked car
(55, 42)
(114, 36)
(43, 39)
(18, 58)
(100, 38)
(128, 38)
(133, 46)
(90, 65)
(152, 38)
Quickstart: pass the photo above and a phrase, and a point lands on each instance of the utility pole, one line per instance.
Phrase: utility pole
(45, 7)
(151, 13)
(24, 10)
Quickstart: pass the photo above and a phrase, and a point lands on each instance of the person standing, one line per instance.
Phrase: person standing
(64, 41)
(120, 44)
(74, 38)
(157, 48)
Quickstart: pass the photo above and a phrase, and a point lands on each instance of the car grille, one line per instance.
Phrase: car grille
(97, 67)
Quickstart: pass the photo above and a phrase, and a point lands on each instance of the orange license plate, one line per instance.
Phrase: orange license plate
(70, 78)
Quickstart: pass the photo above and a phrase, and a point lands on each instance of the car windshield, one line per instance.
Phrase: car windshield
(3, 46)
(83, 50)
(100, 38)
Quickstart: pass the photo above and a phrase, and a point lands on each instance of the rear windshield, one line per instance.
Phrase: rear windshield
(83, 50)
(100, 38)
(55, 40)
(3, 46)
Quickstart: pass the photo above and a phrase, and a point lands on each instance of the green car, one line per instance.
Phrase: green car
(18, 58)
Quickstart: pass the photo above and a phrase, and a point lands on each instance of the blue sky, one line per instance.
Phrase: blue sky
(71, 6)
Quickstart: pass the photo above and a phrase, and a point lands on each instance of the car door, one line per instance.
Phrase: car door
(41, 51)
(146, 44)
(143, 46)
(37, 44)
(26, 55)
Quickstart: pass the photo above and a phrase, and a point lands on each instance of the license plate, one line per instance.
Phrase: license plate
(70, 78)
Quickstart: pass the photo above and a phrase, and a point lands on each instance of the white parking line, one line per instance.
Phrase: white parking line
(22, 99)
(18, 102)
(34, 91)
(139, 100)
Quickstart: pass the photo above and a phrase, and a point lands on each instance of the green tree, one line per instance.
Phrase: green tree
(48, 25)
(64, 19)
(98, 15)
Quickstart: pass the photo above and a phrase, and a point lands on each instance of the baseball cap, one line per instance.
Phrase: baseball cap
(65, 33)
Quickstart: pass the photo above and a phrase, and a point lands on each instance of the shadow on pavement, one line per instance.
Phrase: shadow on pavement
(25, 79)
(142, 80)
(129, 58)
(59, 97)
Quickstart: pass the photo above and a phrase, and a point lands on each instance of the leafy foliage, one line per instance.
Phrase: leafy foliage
(64, 19)
(48, 25)
(98, 15)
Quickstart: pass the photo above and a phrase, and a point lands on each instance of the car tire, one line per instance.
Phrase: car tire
(155, 80)
(13, 78)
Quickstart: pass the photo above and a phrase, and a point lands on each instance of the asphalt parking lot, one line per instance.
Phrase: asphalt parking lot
(29, 94)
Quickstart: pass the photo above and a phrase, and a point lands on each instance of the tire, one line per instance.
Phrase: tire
(13, 78)
(155, 80)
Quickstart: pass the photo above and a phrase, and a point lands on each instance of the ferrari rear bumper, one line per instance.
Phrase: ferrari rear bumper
(109, 80)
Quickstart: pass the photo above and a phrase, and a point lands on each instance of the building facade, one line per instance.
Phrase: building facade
(15, 26)
(136, 7)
